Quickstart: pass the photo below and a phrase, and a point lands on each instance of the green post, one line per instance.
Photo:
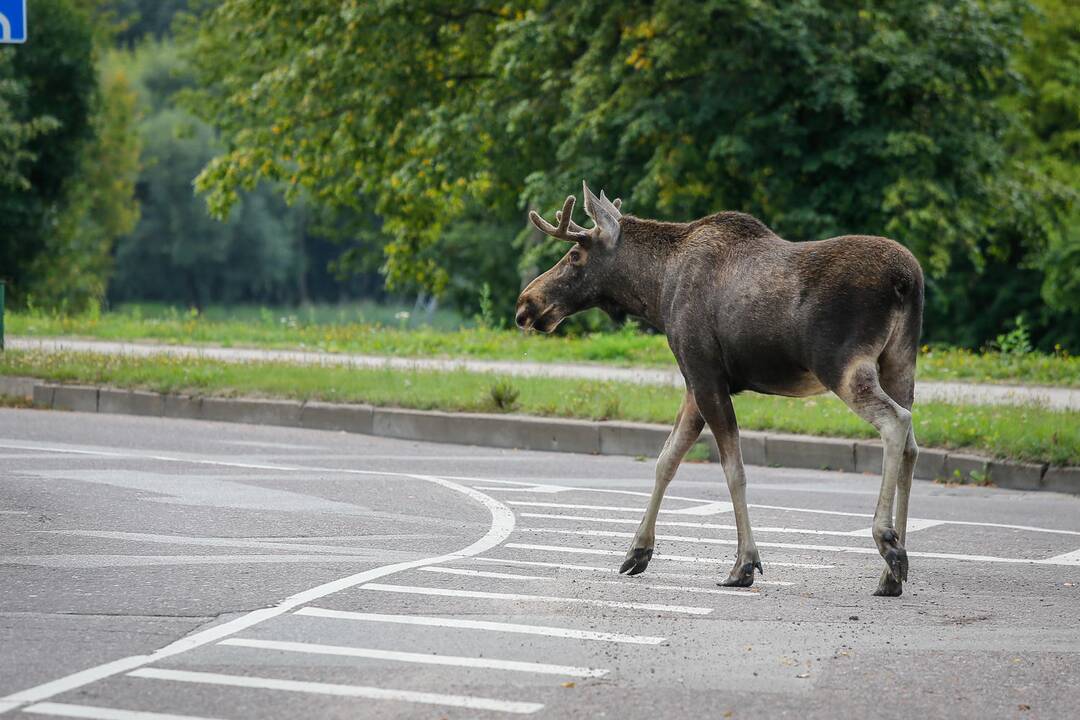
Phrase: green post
(1, 315)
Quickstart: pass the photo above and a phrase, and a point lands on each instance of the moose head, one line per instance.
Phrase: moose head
(578, 280)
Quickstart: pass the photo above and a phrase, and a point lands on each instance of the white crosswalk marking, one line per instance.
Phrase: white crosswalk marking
(486, 625)
(1069, 558)
(438, 569)
(658, 556)
(102, 713)
(421, 658)
(1057, 560)
(592, 568)
(480, 595)
(626, 582)
(358, 691)
(695, 525)
(713, 508)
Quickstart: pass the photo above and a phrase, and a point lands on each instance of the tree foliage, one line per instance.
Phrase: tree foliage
(177, 252)
(48, 89)
(820, 116)
(100, 206)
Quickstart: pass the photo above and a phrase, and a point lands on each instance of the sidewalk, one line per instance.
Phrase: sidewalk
(925, 391)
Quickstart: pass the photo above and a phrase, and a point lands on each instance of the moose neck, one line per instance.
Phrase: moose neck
(637, 280)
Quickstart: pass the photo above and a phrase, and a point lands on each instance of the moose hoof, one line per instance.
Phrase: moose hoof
(895, 555)
(889, 586)
(636, 561)
(742, 575)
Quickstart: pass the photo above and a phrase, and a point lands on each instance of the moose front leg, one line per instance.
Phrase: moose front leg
(688, 425)
(718, 412)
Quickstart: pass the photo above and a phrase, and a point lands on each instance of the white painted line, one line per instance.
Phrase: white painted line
(913, 525)
(626, 582)
(422, 658)
(571, 506)
(592, 568)
(539, 489)
(638, 493)
(102, 713)
(713, 508)
(483, 573)
(502, 525)
(1059, 560)
(1069, 558)
(696, 525)
(357, 691)
(745, 592)
(480, 595)
(559, 632)
(676, 558)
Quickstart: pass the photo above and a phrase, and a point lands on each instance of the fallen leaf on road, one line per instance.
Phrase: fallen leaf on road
(569, 684)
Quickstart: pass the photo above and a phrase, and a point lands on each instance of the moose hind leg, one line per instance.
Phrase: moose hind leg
(862, 392)
(898, 380)
(688, 426)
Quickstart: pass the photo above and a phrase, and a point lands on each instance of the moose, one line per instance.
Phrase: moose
(744, 309)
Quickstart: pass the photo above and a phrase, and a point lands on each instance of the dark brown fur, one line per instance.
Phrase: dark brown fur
(744, 309)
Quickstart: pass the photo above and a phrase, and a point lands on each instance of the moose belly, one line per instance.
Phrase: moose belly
(801, 384)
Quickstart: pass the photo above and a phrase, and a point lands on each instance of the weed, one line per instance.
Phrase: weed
(504, 395)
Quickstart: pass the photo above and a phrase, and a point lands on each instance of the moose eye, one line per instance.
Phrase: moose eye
(575, 257)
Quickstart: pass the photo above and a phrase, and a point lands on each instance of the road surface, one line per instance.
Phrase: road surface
(156, 568)
(1055, 398)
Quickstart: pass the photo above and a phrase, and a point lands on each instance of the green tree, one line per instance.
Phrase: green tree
(73, 270)
(177, 252)
(1051, 66)
(820, 116)
(48, 91)
(144, 18)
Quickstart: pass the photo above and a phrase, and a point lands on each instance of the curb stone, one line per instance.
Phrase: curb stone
(526, 432)
(798, 451)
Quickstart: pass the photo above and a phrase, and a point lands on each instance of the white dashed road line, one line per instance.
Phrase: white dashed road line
(1067, 559)
(357, 691)
(658, 556)
(480, 595)
(615, 570)
(626, 582)
(421, 658)
(484, 574)
(559, 632)
(102, 713)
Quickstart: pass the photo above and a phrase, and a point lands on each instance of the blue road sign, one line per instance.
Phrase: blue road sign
(12, 21)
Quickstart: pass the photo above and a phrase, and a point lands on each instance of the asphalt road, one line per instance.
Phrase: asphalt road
(158, 568)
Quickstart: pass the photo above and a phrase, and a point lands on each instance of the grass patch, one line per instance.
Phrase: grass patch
(347, 334)
(1016, 432)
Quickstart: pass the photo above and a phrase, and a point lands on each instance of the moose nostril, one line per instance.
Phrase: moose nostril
(522, 318)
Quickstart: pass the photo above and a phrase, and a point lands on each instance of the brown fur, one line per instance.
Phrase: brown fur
(744, 309)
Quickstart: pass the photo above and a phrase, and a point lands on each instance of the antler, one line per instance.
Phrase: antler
(574, 227)
(568, 229)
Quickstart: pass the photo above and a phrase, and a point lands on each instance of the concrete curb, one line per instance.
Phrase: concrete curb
(525, 432)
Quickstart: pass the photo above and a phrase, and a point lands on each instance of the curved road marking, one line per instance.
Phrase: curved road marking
(502, 524)
(546, 488)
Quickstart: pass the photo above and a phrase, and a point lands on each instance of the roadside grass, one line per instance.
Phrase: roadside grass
(1016, 432)
(278, 330)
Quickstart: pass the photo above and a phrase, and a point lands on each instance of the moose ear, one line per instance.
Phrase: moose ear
(604, 214)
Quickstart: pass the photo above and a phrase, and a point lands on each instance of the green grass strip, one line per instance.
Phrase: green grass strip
(1016, 432)
(626, 348)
